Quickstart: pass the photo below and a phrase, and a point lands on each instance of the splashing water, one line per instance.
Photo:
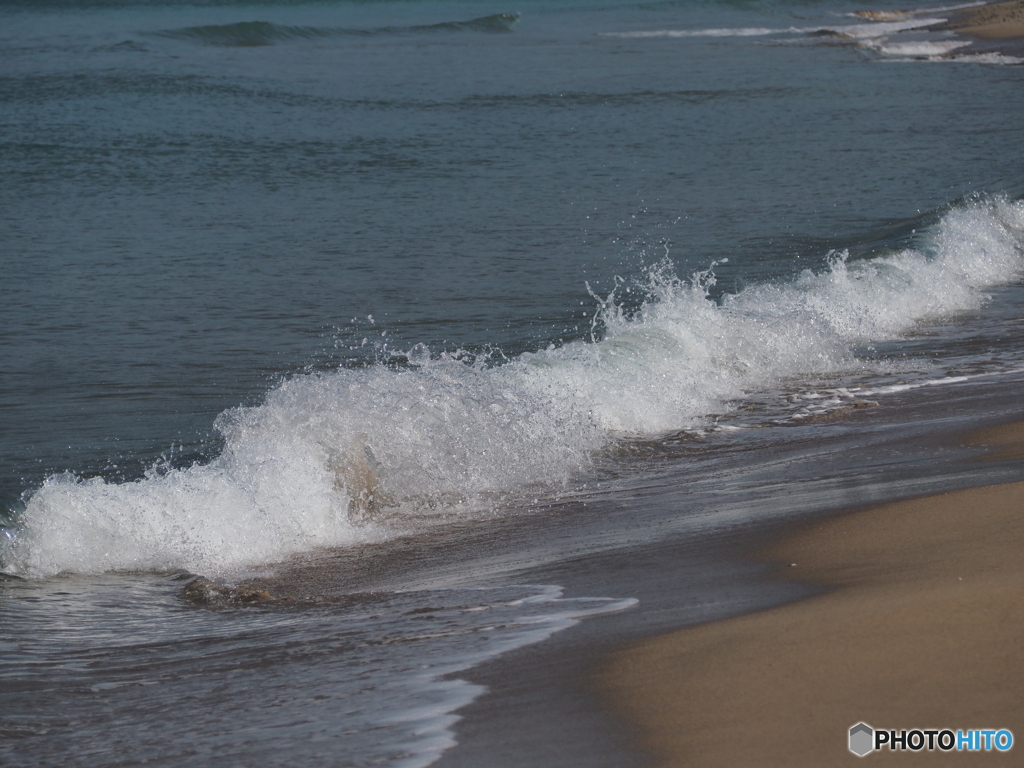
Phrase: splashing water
(355, 455)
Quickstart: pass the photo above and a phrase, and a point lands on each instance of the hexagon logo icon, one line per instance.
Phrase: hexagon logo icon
(862, 737)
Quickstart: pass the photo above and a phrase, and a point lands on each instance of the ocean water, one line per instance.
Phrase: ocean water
(305, 306)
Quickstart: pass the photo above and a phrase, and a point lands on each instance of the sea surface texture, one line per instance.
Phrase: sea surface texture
(303, 306)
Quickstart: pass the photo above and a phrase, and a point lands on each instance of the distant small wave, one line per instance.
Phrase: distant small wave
(244, 34)
(498, 22)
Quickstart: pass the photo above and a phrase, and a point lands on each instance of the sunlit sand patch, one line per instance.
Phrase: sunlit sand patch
(998, 21)
(884, 15)
(202, 591)
(900, 15)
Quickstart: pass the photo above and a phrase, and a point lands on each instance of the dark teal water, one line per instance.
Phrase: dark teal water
(285, 276)
(188, 217)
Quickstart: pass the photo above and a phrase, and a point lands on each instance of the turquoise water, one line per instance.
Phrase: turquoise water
(287, 277)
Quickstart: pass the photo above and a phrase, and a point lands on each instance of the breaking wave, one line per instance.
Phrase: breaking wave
(359, 454)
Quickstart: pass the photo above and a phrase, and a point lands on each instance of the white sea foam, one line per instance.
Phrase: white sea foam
(855, 31)
(919, 49)
(359, 454)
(514, 624)
(880, 28)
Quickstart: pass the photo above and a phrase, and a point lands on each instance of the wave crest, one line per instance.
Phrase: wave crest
(355, 455)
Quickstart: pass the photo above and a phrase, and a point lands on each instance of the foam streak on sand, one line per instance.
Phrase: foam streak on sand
(854, 31)
(921, 628)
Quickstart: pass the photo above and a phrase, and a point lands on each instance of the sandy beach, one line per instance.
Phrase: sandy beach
(996, 21)
(918, 626)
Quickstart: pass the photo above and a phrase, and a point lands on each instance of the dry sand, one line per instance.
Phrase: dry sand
(922, 626)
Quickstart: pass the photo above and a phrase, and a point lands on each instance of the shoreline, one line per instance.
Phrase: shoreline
(924, 442)
(994, 28)
(917, 625)
(994, 21)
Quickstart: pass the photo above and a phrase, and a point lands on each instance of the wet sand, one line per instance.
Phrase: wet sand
(918, 626)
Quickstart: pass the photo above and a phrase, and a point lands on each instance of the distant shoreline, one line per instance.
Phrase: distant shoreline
(993, 28)
(995, 21)
(919, 628)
